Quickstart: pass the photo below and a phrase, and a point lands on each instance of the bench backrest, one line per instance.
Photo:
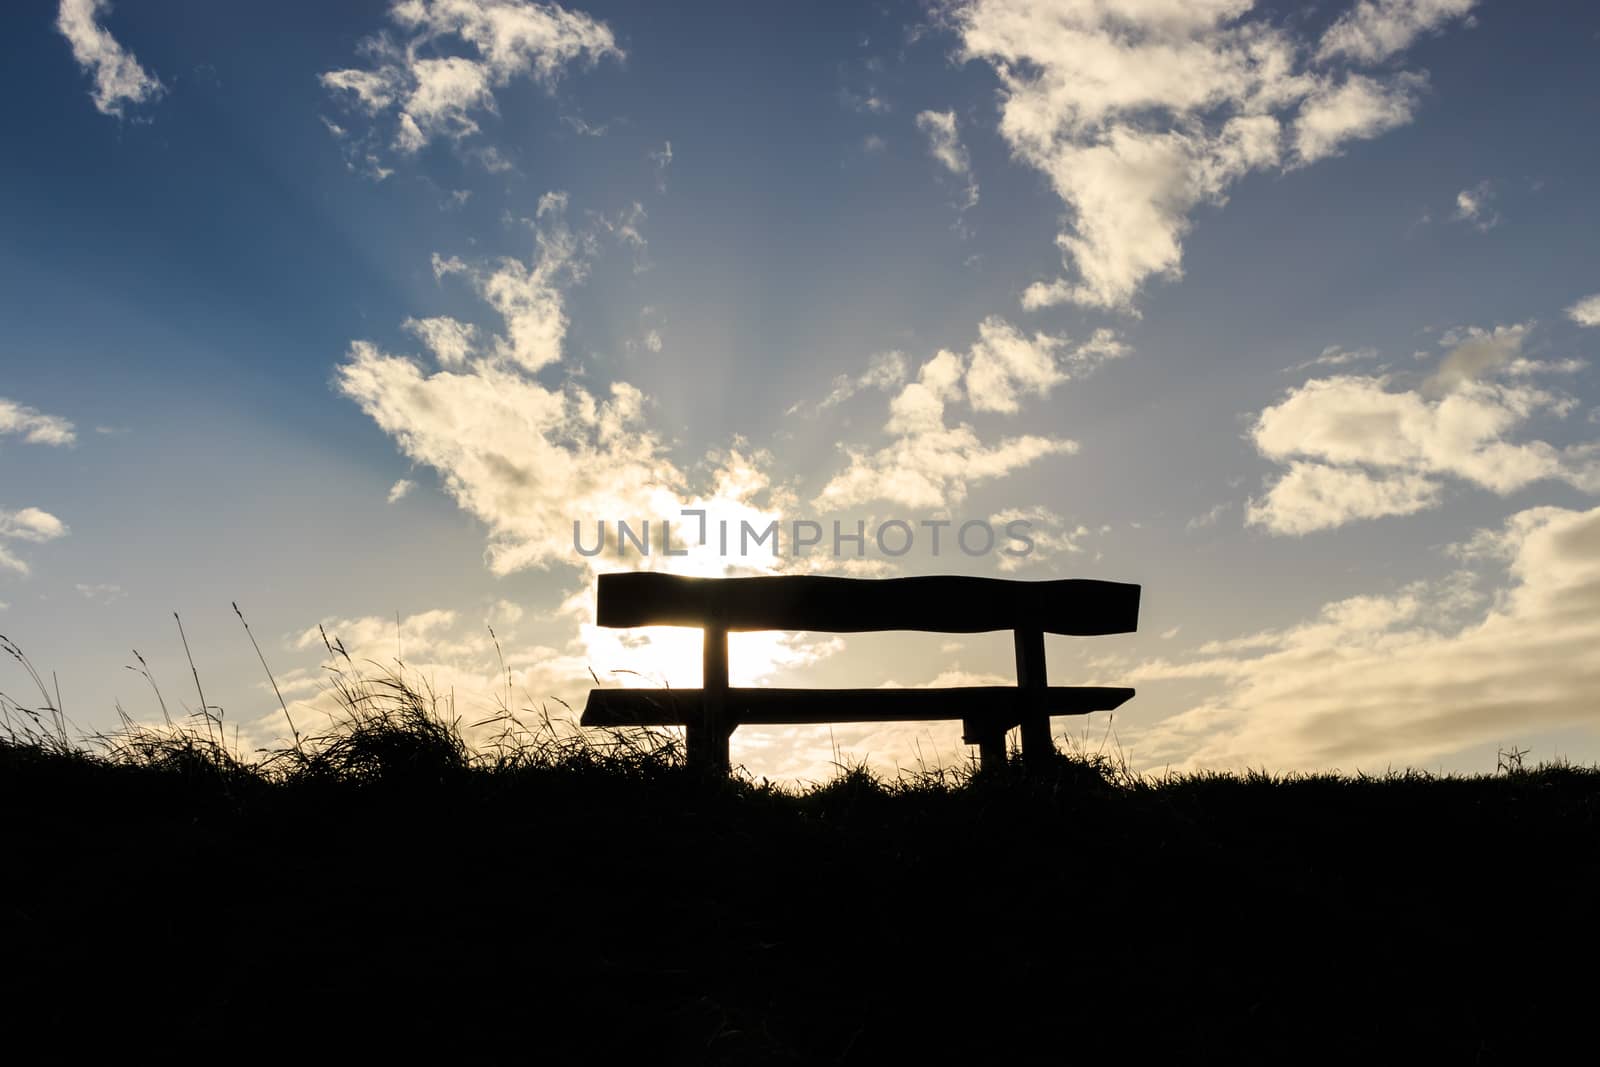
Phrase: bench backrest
(1080, 607)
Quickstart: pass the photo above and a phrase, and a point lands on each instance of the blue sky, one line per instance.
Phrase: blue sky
(1285, 311)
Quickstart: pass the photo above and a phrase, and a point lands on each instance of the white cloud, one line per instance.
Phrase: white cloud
(933, 468)
(885, 370)
(1476, 206)
(1005, 365)
(400, 490)
(1586, 312)
(1476, 354)
(1408, 677)
(1132, 192)
(527, 295)
(450, 340)
(1049, 534)
(494, 42)
(930, 463)
(1374, 30)
(1356, 109)
(1315, 496)
(944, 142)
(526, 458)
(652, 340)
(1141, 111)
(1357, 448)
(34, 427)
(28, 524)
(31, 524)
(119, 80)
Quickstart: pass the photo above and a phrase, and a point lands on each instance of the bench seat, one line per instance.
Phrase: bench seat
(999, 706)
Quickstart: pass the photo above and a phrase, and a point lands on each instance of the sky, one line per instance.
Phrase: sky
(349, 313)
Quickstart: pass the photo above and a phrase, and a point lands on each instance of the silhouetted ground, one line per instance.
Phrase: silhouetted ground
(393, 894)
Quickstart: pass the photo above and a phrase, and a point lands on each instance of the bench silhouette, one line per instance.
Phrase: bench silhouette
(940, 604)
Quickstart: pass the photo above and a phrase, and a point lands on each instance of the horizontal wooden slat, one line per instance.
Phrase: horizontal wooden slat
(938, 603)
(801, 707)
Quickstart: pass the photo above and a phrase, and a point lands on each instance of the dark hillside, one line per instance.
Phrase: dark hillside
(392, 890)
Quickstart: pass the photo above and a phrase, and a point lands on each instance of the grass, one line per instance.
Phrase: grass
(551, 895)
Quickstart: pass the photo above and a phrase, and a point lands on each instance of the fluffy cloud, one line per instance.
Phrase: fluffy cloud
(1403, 678)
(1374, 30)
(28, 524)
(933, 468)
(930, 463)
(1005, 365)
(528, 295)
(1586, 312)
(450, 340)
(1357, 448)
(1140, 111)
(885, 370)
(31, 524)
(526, 458)
(439, 73)
(1475, 354)
(1050, 534)
(119, 80)
(34, 427)
(944, 142)
(1355, 109)
(1314, 496)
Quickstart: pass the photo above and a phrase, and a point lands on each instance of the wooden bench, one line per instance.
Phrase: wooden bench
(941, 604)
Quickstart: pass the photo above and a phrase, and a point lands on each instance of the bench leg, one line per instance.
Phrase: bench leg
(707, 751)
(1037, 746)
(992, 750)
(707, 740)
